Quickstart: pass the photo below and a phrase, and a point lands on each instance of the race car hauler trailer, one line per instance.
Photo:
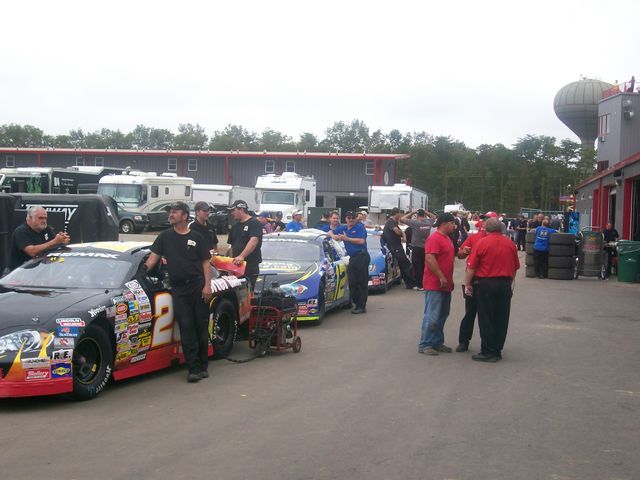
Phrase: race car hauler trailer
(147, 193)
(405, 197)
(51, 180)
(285, 193)
(224, 195)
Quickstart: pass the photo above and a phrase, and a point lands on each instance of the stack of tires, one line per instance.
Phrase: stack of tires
(528, 259)
(562, 256)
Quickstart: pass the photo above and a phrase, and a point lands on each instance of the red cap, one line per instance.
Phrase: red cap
(491, 215)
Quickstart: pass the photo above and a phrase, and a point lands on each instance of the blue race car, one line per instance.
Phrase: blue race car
(383, 268)
(310, 264)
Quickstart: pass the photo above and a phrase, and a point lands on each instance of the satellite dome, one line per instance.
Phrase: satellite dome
(576, 105)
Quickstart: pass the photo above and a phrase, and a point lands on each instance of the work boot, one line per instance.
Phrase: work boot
(428, 351)
(485, 357)
(462, 347)
(357, 311)
(204, 374)
(443, 349)
(193, 377)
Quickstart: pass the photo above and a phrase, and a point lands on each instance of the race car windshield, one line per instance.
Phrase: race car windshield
(290, 250)
(59, 271)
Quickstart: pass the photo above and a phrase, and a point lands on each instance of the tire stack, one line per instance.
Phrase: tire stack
(528, 259)
(562, 256)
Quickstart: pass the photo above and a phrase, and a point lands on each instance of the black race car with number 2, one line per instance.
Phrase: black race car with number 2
(75, 318)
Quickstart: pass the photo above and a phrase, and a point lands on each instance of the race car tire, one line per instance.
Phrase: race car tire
(530, 237)
(92, 363)
(562, 262)
(560, 273)
(530, 272)
(321, 302)
(529, 248)
(529, 261)
(126, 226)
(222, 328)
(562, 250)
(562, 239)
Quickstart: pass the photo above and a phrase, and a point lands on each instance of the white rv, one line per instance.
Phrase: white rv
(225, 195)
(285, 193)
(402, 196)
(147, 192)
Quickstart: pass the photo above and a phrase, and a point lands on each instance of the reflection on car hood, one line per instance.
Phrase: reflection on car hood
(23, 307)
(285, 272)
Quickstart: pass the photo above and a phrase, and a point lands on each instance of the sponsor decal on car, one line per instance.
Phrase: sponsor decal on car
(59, 343)
(62, 355)
(67, 332)
(84, 254)
(122, 317)
(134, 318)
(133, 306)
(122, 336)
(121, 308)
(121, 327)
(128, 296)
(97, 310)
(39, 362)
(70, 322)
(37, 374)
(132, 285)
(145, 307)
(145, 317)
(138, 358)
(111, 311)
(118, 299)
(61, 370)
(133, 330)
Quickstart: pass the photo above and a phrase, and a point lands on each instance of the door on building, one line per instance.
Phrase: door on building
(612, 206)
(635, 211)
(346, 204)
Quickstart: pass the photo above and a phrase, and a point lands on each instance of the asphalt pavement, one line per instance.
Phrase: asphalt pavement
(359, 402)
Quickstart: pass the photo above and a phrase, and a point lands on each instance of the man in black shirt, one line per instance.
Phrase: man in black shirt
(33, 237)
(187, 258)
(245, 240)
(393, 237)
(610, 235)
(203, 227)
(278, 224)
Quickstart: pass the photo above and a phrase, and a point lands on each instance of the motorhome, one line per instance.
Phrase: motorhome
(285, 193)
(147, 192)
(220, 196)
(405, 197)
(51, 180)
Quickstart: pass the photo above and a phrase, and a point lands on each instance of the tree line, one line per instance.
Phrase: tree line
(534, 172)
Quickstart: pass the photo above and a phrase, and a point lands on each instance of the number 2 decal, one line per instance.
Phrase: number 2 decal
(163, 324)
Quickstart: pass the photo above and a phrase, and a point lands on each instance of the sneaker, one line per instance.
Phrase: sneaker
(194, 377)
(415, 288)
(462, 347)
(357, 311)
(428, 351)
(204, 374)
(443, 349)
(421, 289)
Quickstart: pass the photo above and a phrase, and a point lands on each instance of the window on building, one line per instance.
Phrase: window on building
(269, 166)
(11, 161)
(369, 168)
(99, 161)
(602, 165)
(172, 164)
(604, 125)
(192, 165)
(79, 161)
(290, 166)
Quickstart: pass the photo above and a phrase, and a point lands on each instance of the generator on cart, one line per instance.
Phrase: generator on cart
(273, 323)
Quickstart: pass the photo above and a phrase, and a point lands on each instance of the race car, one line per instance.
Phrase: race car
(383, 268)
(311, 266)
(76, 317)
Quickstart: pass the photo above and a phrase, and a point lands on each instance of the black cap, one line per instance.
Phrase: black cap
(240, 204)
(201, 206)
(179, 206)
(350, 214)
(444, 218)
(421, 212)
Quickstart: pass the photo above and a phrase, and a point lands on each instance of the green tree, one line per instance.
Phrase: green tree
(190, 137)
(274, 141)
(233, 137)
(308, 143)
(14, 135)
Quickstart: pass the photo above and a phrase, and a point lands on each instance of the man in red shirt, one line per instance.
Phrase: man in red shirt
(470, 304)
(438, 284)
(494, 262)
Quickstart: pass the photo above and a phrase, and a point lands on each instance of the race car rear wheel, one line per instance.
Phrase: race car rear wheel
(92, 363)
(222, 328)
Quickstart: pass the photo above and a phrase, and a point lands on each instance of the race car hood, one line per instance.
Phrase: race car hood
(285, 272)
(39, 308)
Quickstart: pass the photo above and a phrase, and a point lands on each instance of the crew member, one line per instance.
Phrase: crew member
(421, 229)
(278, 224)
(245, 240)
(393, 237)
(187, 256)
(438, 284)
(354, 236)
(295, 225)
(541, 249)
(611, 235)
(203, 227)
(334, 221)
(34, 237)
(521, 232)
(494, 261)
(323, 222)
(363, 218)
(267, 226)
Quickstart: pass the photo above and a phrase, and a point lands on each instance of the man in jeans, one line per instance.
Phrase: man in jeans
(438, 284)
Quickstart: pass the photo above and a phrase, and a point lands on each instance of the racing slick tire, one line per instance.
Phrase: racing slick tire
(562, 250)
(562, 262)
(562, 239)
(529, 261)
(560, 273)
(530, 272)
(126, 226)
(92, 363)
(222, 328)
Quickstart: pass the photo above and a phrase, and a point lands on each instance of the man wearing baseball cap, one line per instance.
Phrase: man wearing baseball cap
(245, 240)
(295, 225)
(203, 227)
(187, 257)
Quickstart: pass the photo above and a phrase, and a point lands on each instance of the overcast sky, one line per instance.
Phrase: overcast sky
(479, 71)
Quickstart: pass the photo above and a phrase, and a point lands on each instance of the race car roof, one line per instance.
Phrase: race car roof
(309, 234)
(119, 247)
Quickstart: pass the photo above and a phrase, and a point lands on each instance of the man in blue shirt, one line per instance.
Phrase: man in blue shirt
(354, 237)
(541, 249)
(296, 224)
